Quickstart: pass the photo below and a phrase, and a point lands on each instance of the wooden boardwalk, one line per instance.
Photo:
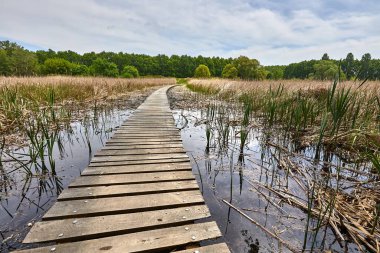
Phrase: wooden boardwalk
(138, 194)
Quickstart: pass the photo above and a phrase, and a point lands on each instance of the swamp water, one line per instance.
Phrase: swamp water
(224, 176)
(261, 199)
(25, 199)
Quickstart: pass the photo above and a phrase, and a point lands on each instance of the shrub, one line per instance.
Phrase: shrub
(229, 71)
(130, 71)
(202, 71)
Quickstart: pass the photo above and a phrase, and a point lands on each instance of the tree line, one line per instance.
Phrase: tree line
(18, 61)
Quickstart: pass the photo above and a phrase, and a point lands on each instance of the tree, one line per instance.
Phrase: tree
(130, 71)
(202, 71)
(229, 71)
(326, 70)
(4, 63)
(275, 72)
(57, 66)
(325, 57)
(23, 62)
(348, 66)
(365, 67)
(102, 67)
(79, 70)
(247, 68)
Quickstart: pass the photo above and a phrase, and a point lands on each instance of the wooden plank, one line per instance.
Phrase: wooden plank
(151, 121)
(139, 168)
(139, 152)
(131, 178)
(123, 163)
(137, 157)
(117, 205)
(145, 135)
(143, 141)
(146, 130)
(149, 131)
(126, 190)
(146, 241)
(129, 146)
(144, 126)
(110, 225)
(148, 138)
(215, 248)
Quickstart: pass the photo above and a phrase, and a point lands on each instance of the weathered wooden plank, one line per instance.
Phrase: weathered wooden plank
(122, 163)
(130, 146)
(215, 248)
(144, 140)
(146, 135)
(142, 119)
(131, 128)
(137, 157)
(139, 152)
(139, 168)
(126, 190)
(131, 178)
(146, 130)
(116, 205)
(110, 225)
(147, 241)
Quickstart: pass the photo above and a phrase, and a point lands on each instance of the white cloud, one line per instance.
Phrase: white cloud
(211, 28)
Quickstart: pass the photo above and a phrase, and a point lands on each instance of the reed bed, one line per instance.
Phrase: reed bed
(344, 113)
(321, 144)
(33, 110)
(22, 96)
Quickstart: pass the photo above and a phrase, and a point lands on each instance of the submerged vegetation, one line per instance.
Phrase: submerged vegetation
(46, 125)
(319, 148)
(34, 110)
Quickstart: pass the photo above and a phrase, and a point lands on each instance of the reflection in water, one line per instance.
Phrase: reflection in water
(253, 246)
(252, 179)
(31, 178)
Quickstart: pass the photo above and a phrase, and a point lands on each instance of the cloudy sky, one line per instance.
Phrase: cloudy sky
(274, 32)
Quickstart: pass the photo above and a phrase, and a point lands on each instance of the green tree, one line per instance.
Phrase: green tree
(202, 71)
(57, 66)
(102, 67)
(4, 63)
(229, 71)
(365, 67)
(247, 68)
(326, 70)
(23, 63)
(348, 66)
(275, 72)
(130, 71)
(325, 57)
(79, 70)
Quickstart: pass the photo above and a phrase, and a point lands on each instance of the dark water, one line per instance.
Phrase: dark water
(222, 176)
(25, 199)
(220, 172)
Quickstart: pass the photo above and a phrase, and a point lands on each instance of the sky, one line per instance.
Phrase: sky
(274, 32)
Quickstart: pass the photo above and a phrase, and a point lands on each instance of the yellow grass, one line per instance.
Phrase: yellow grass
(240, 86)
(78, 88)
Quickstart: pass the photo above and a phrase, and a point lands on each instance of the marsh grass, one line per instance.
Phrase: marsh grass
(327, 118)
(35, 109)
(316, 112)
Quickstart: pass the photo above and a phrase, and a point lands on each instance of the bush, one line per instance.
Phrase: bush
(102, 67)
(229, 71)
(130, 72)
(57, 66)
(202, 71)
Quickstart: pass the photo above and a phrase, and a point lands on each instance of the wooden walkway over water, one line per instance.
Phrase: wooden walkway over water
(138, 194)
